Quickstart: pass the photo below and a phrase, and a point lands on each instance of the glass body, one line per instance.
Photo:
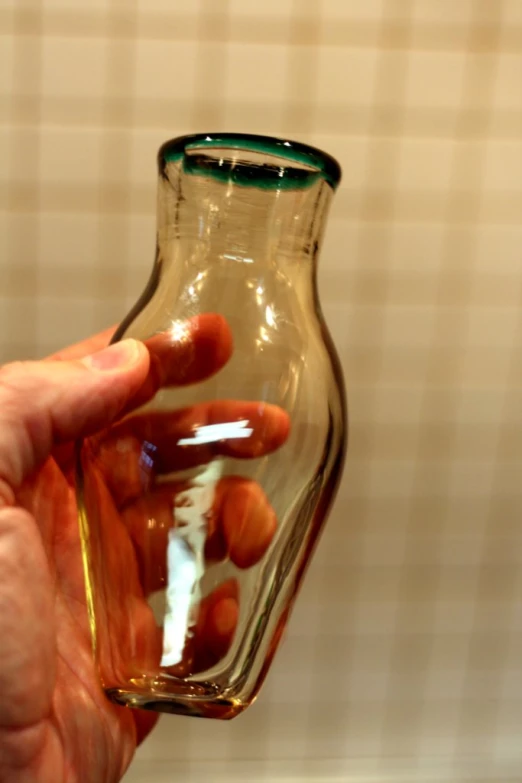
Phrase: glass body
(200, 507)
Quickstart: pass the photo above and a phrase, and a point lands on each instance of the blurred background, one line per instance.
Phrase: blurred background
(403, 661)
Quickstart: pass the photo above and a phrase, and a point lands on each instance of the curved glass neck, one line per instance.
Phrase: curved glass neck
(240, 203)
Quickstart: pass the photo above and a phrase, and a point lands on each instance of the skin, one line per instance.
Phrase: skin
(56, 725)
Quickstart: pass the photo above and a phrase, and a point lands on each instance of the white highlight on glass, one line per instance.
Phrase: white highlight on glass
(239, 258)
(269, 315)
(179, 331)
(186, 562)
(215, 432)
(182, 574)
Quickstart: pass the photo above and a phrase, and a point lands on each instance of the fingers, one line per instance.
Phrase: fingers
(188, 353)
(241, 526)
(183, 439)
(230, 428)
(248, 521)
(216, 626)
(137, 450)
(191, 350)
(43, 404)
(148, 522)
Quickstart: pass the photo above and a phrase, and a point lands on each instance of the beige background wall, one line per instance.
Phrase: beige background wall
(404, 657)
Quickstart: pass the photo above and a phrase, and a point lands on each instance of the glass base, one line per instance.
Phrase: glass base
(182, 698)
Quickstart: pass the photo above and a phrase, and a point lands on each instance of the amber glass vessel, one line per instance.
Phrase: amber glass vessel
(200, 508)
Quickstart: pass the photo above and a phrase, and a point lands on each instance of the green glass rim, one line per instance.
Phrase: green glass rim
(318, 163)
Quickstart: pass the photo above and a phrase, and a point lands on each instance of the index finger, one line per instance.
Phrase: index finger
(187, 352)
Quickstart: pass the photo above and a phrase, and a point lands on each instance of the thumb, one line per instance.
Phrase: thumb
(43, 404)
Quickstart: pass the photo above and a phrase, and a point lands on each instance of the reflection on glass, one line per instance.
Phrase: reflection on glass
(186, 559)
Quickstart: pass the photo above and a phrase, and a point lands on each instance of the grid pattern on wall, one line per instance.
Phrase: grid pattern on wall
(404, 657)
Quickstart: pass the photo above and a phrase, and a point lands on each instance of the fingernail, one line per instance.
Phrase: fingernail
(114, 357)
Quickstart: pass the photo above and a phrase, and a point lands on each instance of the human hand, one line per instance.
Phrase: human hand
(55, 722)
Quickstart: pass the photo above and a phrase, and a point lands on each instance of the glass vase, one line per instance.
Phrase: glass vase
(200, 507)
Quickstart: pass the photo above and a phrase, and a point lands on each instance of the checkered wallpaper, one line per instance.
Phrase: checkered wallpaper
(403, 661)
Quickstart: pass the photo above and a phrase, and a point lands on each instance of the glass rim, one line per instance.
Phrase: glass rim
(323, 164)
